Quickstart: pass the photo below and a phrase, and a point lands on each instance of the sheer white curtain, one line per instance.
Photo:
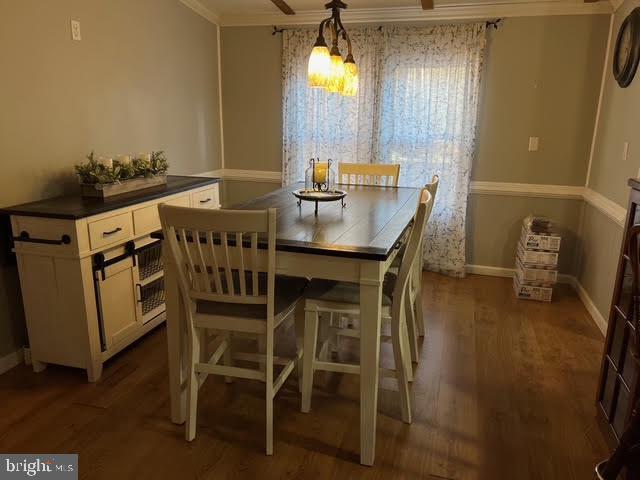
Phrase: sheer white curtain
(417, 106)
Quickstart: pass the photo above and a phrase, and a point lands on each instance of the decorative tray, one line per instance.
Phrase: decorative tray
(316, 196)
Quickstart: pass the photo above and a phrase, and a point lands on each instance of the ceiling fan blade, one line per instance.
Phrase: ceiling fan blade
(427, 4)
(282, 5)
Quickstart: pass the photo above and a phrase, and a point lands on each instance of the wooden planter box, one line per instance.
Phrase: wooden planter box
(126, 186)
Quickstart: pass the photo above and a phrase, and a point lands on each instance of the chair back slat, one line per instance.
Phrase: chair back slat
(425, 205)
(203, 266)
(221, 255)
(215, 268)
(381, 174)
(254, 261)
(228, 271)
(241, 271)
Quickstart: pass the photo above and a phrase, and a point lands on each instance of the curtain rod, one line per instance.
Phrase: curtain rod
(490, 23)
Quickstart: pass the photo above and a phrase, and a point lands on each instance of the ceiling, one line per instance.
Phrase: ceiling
(264, 12)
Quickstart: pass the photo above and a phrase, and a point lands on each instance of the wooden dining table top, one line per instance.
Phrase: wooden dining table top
(369, 226)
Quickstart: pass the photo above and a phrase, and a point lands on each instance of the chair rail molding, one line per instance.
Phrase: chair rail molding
(527, 190)
(608, 207)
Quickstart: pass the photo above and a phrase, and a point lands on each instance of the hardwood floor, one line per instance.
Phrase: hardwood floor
(504, 390)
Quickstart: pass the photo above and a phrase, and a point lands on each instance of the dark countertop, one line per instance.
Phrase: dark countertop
(73, 207)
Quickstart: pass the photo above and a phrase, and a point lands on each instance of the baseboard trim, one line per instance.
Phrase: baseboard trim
(597, 318)
(11, 360)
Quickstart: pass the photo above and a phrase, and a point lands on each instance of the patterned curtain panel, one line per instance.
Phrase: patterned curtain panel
(417, 106)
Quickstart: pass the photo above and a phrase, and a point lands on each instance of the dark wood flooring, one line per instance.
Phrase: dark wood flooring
(504, 390)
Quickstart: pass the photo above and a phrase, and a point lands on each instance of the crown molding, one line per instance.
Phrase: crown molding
(201, 10)
(413, 14)
(569, 192)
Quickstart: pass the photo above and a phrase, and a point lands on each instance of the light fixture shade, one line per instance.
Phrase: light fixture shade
(319, 67)
(351, 80)
(336, 76)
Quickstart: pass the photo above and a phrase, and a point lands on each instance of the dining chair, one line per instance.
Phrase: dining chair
(416, 321)
(228, 285)
(383, 174)
(343, 298)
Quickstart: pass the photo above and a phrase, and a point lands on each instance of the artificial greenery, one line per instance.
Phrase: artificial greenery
(95, 173)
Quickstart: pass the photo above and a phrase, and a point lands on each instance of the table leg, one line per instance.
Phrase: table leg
(176, 335)
(371, 276)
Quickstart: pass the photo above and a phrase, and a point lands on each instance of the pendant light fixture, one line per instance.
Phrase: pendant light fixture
(327, 69)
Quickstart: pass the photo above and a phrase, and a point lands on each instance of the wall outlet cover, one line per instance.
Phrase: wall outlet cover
(75, 30)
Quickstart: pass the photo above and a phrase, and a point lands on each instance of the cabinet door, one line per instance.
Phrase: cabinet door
(117, 302)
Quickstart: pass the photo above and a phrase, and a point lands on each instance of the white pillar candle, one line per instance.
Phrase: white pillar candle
(145, 156)
(124, 159)
(107, 162)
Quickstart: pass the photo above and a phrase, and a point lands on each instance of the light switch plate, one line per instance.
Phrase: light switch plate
(75, 30)
(534, 143)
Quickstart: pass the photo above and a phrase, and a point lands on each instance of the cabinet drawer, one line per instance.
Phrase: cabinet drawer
(146, 220)
(206, 198)
(110, 230)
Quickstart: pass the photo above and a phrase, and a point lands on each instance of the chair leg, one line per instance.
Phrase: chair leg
(412, 332)
(192, 388)
(406, 351)
(299, 327)
(419, 314)
(269, 391)
(262, 348)
(400, 355)
(308, 357)
(228, 354)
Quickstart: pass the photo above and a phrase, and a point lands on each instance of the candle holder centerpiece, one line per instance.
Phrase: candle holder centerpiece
(319, 185)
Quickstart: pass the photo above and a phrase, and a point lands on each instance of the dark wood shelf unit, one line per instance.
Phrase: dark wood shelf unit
(618, 389)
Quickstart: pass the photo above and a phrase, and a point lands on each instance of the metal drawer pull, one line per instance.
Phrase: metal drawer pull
(106, 234)
(24, 237)
(205, 201)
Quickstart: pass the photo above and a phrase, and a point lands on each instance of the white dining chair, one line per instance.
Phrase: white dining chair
(415, 320)
(343, 298)
(226, 263)
(380, 174)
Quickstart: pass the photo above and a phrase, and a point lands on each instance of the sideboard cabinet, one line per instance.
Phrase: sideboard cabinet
(91, 274)
(619, 386)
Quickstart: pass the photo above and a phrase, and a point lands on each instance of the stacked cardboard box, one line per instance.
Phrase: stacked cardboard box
(537, 260)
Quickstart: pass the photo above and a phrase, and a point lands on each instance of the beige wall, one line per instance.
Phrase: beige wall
(597, 257)
(494, 225)
(542, 79)
(601, 238)
(252, 99)
(235, 192)
(144, 77)
(620, 116)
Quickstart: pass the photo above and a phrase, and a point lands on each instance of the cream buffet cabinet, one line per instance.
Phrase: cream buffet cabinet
(90, 272)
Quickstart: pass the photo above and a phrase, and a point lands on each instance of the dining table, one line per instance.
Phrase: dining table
(353, 242)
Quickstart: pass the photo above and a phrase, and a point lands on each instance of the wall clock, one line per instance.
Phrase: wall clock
(627, 53)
